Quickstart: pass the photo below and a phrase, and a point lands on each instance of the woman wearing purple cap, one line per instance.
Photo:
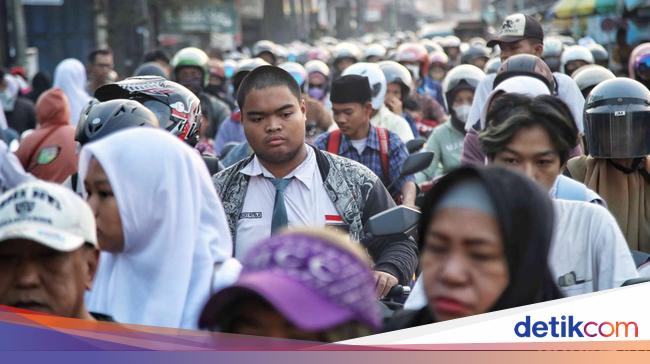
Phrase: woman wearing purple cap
(303, 284)
(485, 236)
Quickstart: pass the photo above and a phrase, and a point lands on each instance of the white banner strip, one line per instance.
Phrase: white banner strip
(620, 314)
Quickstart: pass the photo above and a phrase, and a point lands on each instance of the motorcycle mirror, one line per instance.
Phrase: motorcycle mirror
(416, 162)
(396, 220)
(414, 145)
(632, 281)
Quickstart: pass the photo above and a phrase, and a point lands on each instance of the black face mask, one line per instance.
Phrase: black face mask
(193, 85)
(214, 89)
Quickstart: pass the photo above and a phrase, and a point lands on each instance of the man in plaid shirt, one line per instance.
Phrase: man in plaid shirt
(358, 140)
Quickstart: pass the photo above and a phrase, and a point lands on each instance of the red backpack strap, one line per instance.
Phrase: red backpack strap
(334, 141)
(383, 151)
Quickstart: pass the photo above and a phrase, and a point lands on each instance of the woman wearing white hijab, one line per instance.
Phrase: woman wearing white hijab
(161, 228)
(70, 76)
(3, 120)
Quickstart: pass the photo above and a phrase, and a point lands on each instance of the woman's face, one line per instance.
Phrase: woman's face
(463, 264)
(104, 205)
(437, 73)
(463, 97)
(263, 320)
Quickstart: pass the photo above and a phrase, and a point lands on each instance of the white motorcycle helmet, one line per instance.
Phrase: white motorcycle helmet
(346, 50)
(575, 53)
(374, 50)
(375, 77)
(316, 65)
(465, 76)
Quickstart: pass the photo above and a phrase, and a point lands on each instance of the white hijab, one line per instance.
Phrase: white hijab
(70, 76)
(3, 120)
(526, 85)
(175, 230)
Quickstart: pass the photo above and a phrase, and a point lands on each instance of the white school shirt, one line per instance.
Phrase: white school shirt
(305, 198)
(588, 252)
(567, 91)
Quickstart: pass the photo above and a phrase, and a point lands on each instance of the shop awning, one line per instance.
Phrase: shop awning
(565, 9)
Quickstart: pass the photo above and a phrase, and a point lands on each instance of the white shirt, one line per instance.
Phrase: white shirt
(305, 198)
(568, 91)
(11, 171)
(393, 122)
(359, 145)
(587, 244)
(589, 196)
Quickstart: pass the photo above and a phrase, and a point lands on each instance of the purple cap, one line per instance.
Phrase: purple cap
(313, 283)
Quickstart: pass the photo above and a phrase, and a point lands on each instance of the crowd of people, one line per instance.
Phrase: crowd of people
(234, 191)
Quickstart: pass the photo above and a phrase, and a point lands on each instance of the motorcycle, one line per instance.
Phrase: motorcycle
(398, 223)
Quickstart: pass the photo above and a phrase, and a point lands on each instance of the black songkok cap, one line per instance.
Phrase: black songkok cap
(350, 88)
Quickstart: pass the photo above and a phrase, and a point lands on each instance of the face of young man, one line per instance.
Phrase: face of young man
(353, 119)
(190, 77)
(102, 66)
(531, 152)
(524, 46)
(274, 124)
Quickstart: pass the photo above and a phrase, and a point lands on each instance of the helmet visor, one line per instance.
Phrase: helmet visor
(618, 134)
(162, 112)
(643, 66)
(456, 81)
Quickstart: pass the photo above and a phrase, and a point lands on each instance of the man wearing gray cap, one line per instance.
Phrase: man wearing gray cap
(48, 250)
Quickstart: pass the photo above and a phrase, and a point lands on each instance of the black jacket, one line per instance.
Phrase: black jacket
(23, 116)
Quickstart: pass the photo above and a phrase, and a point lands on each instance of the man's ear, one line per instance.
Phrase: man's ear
(367, 109)
(539, 49)
(91, 263)
(303, 108)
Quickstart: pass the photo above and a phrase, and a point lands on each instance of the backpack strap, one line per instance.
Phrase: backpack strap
(334, 141)
(383, 151)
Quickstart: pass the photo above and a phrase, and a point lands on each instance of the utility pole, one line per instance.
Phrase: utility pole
(274, 21)
(17, 37)
(361, 17)
(294, 19)
(306, 29)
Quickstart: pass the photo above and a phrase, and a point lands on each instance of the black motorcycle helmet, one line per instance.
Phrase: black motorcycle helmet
(526, 65)
(177, 108)
(473, 53)
(617, 119)
(100, 119)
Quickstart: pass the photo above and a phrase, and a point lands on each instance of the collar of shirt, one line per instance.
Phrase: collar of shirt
(304, 172)
(372, 142)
